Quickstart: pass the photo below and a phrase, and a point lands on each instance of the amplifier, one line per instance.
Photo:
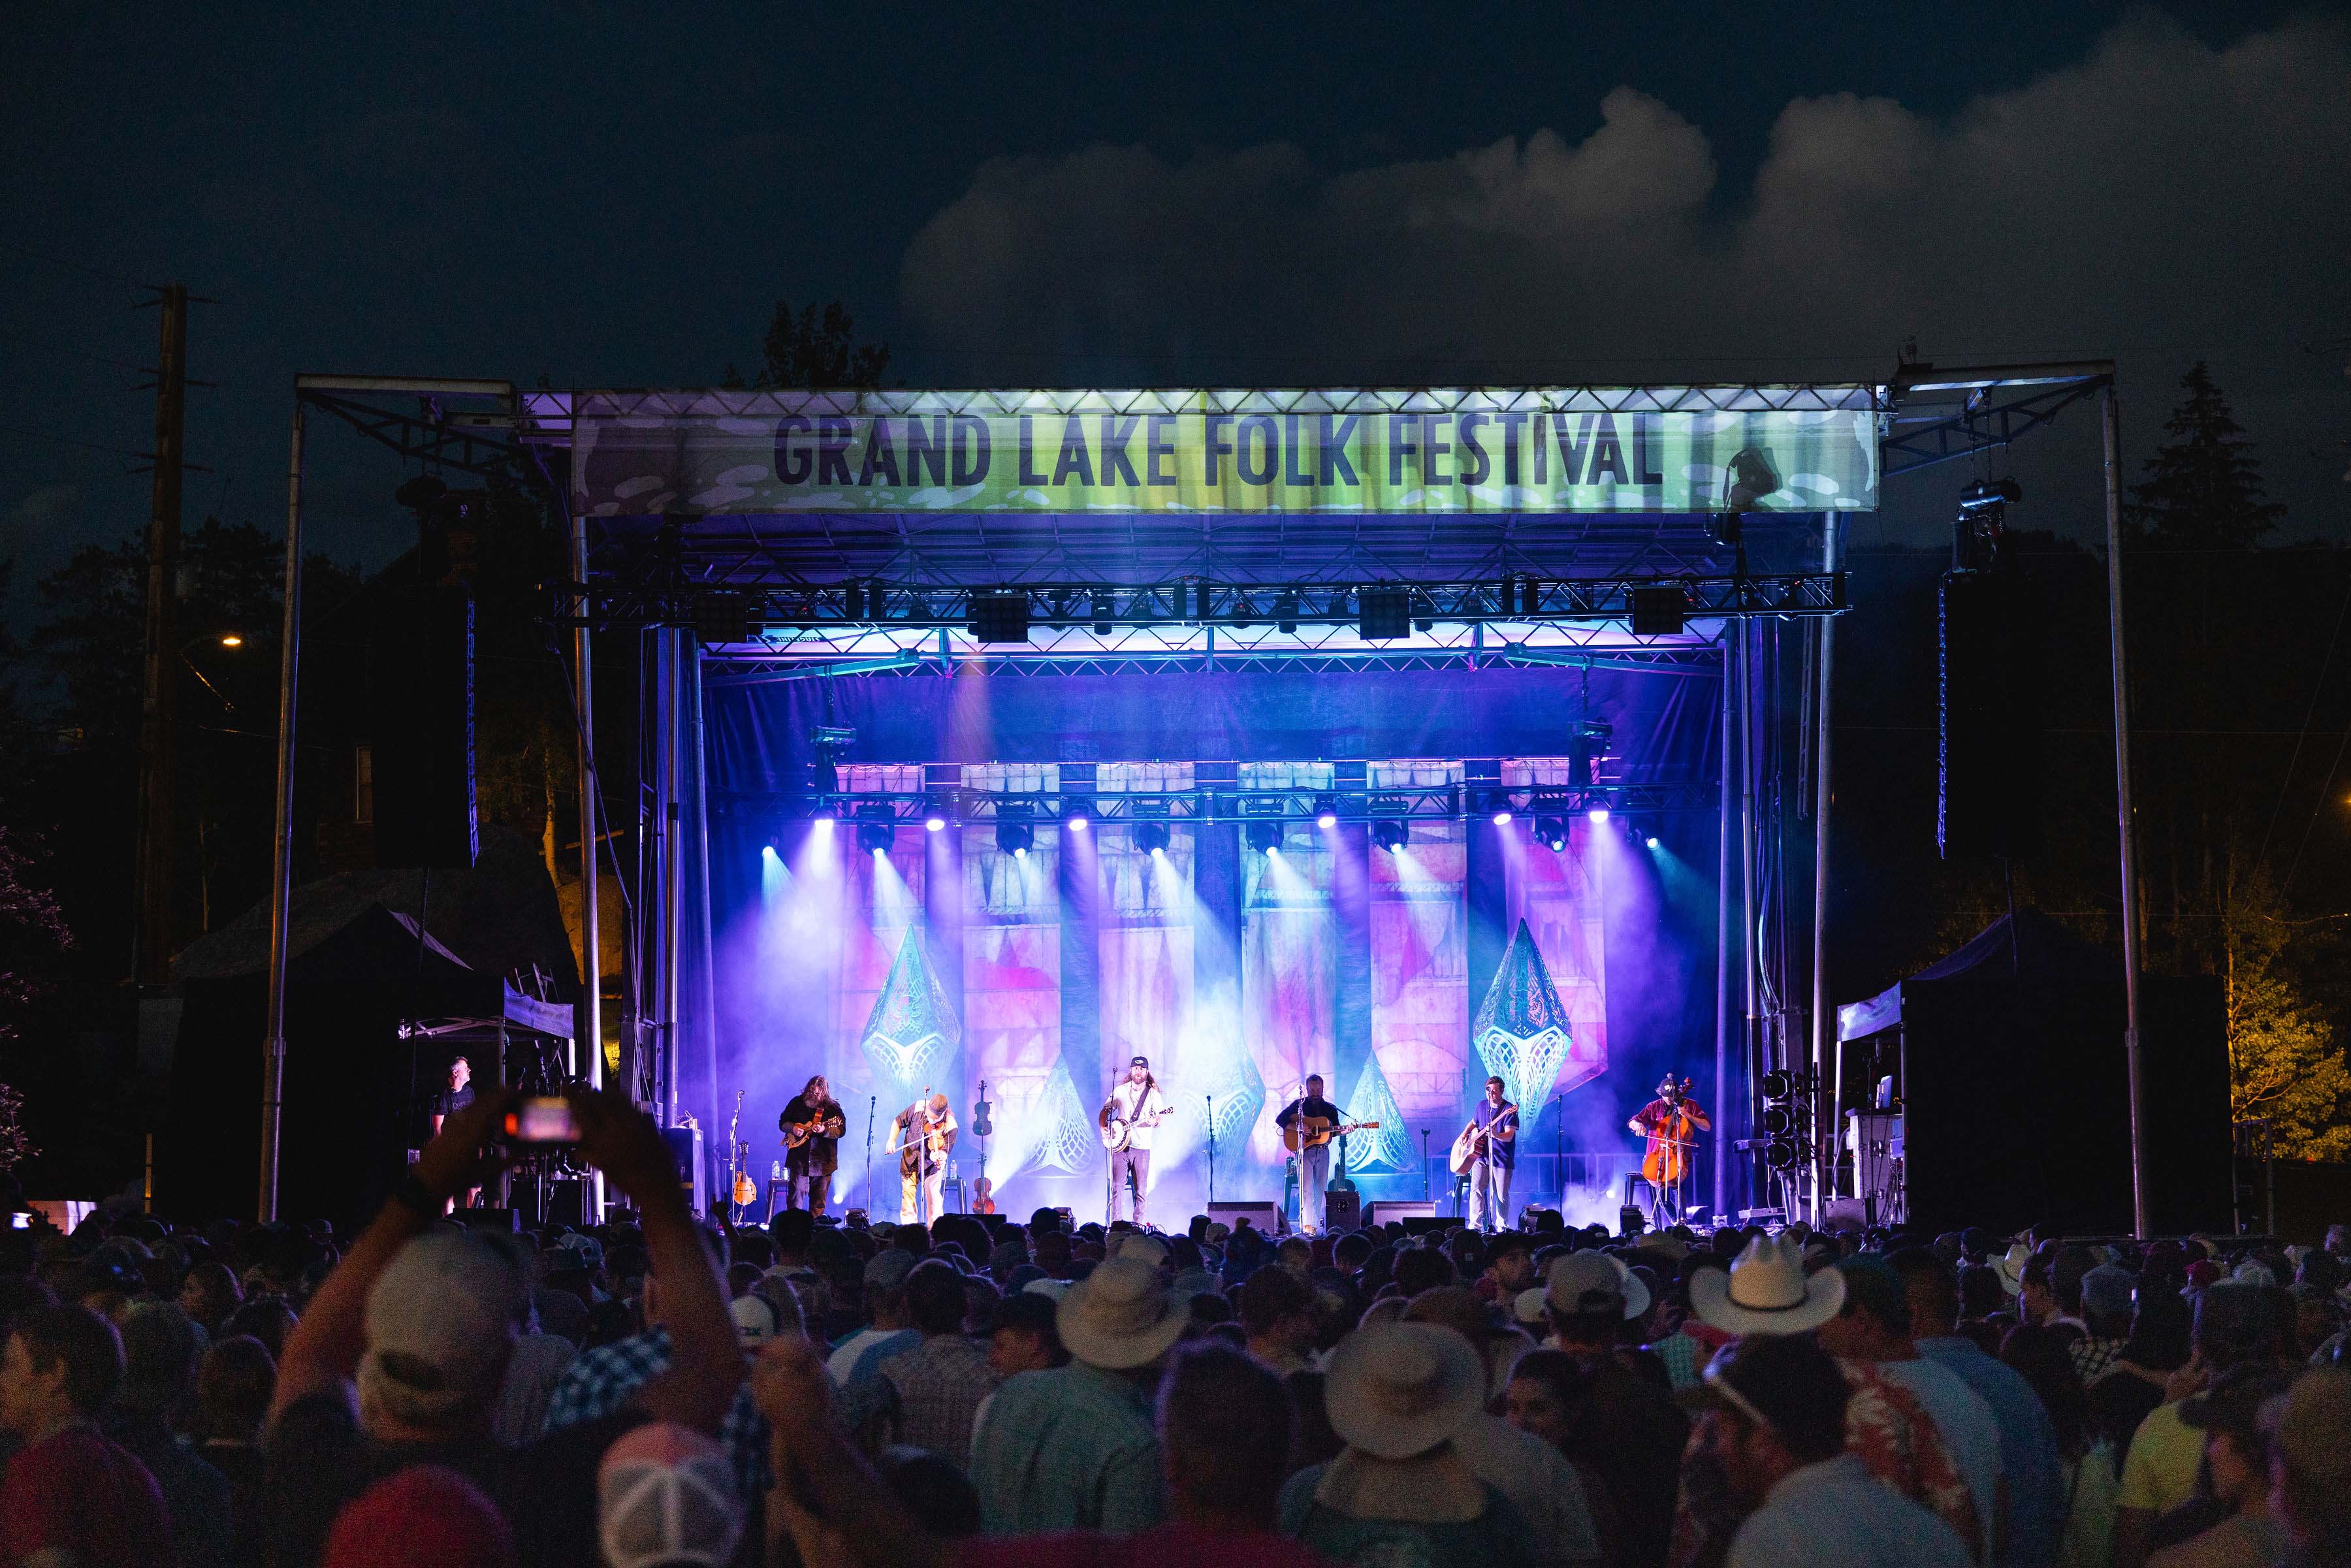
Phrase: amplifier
(1265, 1216)
(1342, 1211)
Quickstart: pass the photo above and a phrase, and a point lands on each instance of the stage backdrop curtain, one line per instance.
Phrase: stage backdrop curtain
(1235, 976)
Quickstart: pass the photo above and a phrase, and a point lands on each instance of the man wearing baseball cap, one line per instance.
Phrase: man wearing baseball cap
(425, 1325)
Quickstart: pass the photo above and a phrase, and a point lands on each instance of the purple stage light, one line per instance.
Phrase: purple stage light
(1596, 814)
(935, 824)
(1077, 824)
(1651, 841)
(1501, 819)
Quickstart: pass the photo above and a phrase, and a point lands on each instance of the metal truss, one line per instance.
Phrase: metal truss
(1995, 405)
(1241, 607)
(1447, 802)
(449, 425)
(1702, 660)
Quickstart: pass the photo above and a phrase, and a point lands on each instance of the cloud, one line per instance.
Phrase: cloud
(2160, 191)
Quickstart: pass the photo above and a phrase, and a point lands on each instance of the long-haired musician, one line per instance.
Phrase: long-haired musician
(809, 1164)
(1138, 1103)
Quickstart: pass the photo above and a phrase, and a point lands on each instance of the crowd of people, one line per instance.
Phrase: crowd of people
(660, 1390)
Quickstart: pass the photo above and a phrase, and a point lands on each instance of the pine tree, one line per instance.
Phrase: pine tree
(800, 350)
(2203, 488)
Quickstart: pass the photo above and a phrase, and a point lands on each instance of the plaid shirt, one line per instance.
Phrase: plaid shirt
(940, 1384)
(606, 1378)
(1072, 1448)
(2092, 1357)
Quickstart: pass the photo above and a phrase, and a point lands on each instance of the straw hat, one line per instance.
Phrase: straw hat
(1394, 1390)
(1118, 1317)
(2011, 1267)
(1767, 1292)
(1139, 1244)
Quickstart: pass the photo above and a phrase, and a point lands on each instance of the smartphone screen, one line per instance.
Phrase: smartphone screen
(542, 1121)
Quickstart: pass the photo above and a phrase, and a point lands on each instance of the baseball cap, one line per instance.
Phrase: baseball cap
(442, 1320)
(889, 1268)
(2106, 1289)
(665, 1494)
(1590, 1281)
(427, 1515)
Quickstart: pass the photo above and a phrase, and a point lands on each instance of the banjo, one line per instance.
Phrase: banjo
(1116, 1127)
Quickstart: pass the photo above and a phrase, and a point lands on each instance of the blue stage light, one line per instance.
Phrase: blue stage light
(1596, 814)
(935, 824)
(1552, 834)
(1077, 824)
(1651, 840)
(1265, 837)
(1392, 836)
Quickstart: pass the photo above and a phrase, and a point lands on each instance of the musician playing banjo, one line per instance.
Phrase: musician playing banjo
(1315, 1159)
(815, 1117)
(1139, 1104)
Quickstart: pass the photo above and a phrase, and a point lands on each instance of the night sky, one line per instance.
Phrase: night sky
(1059, 195)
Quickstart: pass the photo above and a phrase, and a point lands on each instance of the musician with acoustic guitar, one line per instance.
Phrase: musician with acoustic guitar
(1315, 1120)
(813, 1124)
(1671, 1123)
(1492, 1145)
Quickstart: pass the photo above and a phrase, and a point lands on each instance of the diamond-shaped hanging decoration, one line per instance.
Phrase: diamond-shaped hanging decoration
(912, 1034)
(1385, 1149)
(1067, 1141)
(1521, 1032)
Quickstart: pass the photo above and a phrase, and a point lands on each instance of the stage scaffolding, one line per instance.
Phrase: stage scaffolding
(716, 597)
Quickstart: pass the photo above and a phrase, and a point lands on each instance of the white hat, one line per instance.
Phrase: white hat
(1767, 1292)
(755, 1320)
(1138, 1244)
(1581, 1281)
(1118, 1317)
(2011, 1267)
(666, 1495)
(1394, 1390)
(442, 1320)
(1527, 1306)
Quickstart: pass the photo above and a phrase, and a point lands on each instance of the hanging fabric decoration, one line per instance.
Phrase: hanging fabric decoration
(1520, 1030)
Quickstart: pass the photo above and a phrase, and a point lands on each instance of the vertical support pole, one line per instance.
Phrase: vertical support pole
(673, 866)
(706, 988)
(281, 843)
(1824, 1115)
(159, 715)
(2131, 934)
(1750, 1038)
(591, 946)
(1723, 949)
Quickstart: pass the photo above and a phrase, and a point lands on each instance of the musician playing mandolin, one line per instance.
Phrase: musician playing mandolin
(816, 1120)
(1139, 1104)
(1314, 1160)
(1493, 1133)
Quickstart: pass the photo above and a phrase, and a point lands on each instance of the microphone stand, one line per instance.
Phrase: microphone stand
(872, 1101)
(1425, 1193)
(1212, 1149)
(921, 1121)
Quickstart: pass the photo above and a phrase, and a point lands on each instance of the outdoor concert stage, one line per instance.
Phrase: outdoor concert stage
(1179, 805)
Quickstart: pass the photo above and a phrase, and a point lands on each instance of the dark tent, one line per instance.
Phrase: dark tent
(2010, 1057)
(356, 1092)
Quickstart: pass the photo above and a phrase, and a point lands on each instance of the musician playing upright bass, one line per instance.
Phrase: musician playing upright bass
(1670, 1122)
(816, 1120)
(1315, 1159)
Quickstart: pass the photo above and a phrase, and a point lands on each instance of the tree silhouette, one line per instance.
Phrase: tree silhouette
(807, 351)
(2203, 488)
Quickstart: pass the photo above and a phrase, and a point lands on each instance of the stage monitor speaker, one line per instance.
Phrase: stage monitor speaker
(1379, 1211)
(686, 1153)
(1989, 636)
(1423, 1225)
(421, 744)
(500, 1220)
(1845, 1214)
(1342, 1209)
(1264, 1217)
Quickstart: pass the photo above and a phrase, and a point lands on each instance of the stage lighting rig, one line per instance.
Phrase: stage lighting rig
(1326, 810)
(1392, 836)
(1151, 838)
(1552, 834)
(1587, 750)
(1265, 837)
(1015, 839)
(875, 838)
(1979, 533)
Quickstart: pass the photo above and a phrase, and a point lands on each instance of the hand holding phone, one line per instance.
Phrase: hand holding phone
(542, 1121)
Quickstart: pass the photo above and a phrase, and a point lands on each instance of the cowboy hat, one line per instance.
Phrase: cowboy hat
(1118, 1317)
(1767, 1292)
(1394, 1390)
(1139, 1244)
(2011, 1267)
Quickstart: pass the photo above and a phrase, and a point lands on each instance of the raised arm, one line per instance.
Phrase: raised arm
(322, 1354)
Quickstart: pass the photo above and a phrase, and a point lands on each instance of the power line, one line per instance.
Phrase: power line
(76, 353)
(69, 441)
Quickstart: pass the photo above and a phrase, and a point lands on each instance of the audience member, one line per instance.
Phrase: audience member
(940, 1382)
(70, 1495)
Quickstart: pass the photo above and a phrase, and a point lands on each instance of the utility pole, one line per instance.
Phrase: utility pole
(159, 737)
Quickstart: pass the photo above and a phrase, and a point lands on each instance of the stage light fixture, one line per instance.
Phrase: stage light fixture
(1151, 838)
(875, 837)
(1104, 608)
(1392, 836)
(1014, 839)
(1659, 612)
(821, 826)
(1502, 817)
(1596, 812)
(1000, 616)
(1649, 840)
(1552, 834)
(1326, 810)
(934, 823)
(1265, 837)
(1076, 823)
(1285, 613)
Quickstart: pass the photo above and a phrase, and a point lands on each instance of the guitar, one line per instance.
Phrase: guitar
(1467, 1149)
(742, 1188)
(1313, 1132)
